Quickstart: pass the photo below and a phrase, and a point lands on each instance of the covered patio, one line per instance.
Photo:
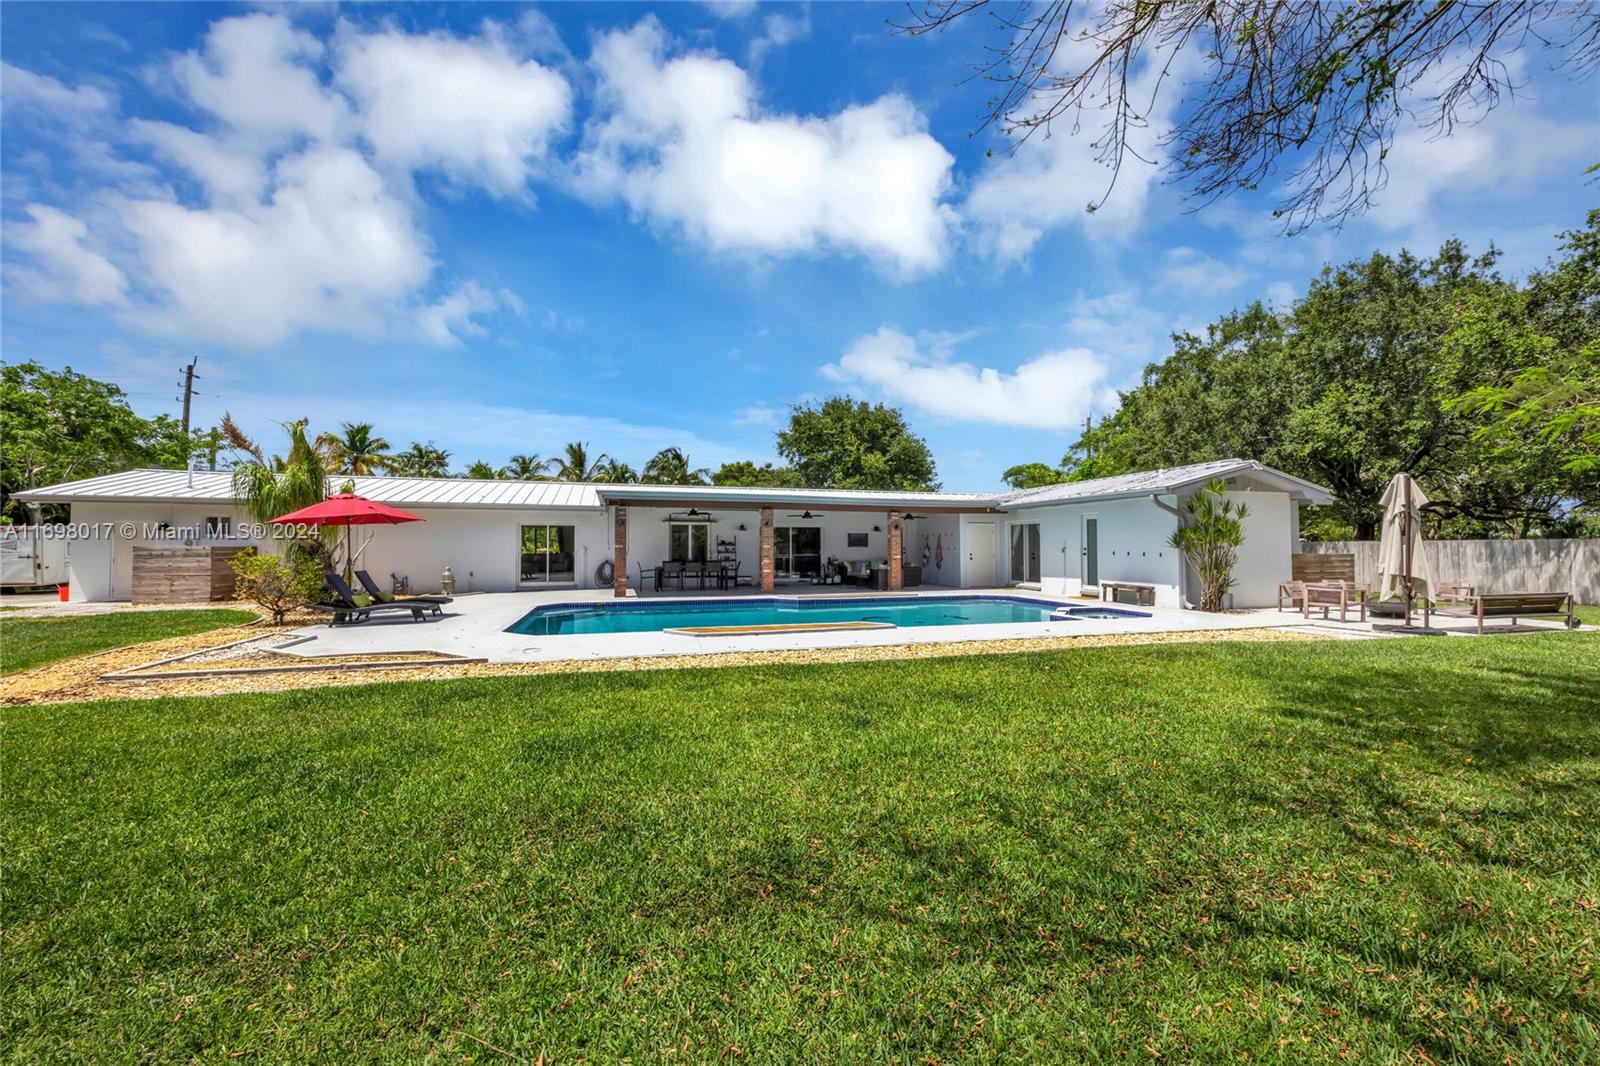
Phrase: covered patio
(732, 541)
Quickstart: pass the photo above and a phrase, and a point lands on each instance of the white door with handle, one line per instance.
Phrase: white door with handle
(980, 554)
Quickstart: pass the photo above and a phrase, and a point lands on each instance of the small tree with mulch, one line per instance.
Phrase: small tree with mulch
(1210, 537)
(275, 583)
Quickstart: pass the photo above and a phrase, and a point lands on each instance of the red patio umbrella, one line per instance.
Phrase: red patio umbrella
(346, 509)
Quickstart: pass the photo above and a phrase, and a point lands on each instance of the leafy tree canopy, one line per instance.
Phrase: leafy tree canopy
(1365, 377)
(1033, 475)
(61, 425)
(670, 466)
(845, 444)
(746, 474)
(421, 460)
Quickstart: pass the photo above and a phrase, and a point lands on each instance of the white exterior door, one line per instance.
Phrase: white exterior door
(980, 554)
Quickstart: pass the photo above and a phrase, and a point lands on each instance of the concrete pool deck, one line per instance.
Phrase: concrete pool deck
(475, 626)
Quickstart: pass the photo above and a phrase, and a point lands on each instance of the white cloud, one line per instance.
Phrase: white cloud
(255, 75)
(1053, 177)
(758, 414)
(685, 143)
(1193, 271)
(64, 266)
(1051, 391)
(301, 214)
(778, 30)
(20, 87)
(229, 173)
(453, 316)
(1281, 295)
(470, 108)
(331, 249)
(729, 9)
(1507, 149)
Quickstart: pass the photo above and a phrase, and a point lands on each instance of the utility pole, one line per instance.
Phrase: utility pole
(188, 392)
(1088, 445)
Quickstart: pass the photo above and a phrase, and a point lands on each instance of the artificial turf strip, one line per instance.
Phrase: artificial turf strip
(29, 642)
(1288, 852)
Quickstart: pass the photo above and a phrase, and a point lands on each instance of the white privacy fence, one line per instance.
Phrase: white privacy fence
(1492, 565)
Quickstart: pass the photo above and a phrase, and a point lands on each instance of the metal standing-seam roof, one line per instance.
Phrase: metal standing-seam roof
(1162, 482)
(216, 486)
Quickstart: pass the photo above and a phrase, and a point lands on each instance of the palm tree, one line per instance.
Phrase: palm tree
(355, 449)
(524, 468)
(481, 471)
(670, 466)
(422, 460)
(266, 490)
(615, 472)
(574, 465)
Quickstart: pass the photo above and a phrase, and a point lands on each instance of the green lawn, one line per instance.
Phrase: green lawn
(27, 642)
(1292, 852)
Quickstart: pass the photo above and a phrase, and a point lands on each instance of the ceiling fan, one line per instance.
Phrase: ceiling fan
(806, 515)
(909, 517)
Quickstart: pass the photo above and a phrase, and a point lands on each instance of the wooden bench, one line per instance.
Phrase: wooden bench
(1510, 605)
(1143, 595)
(1331, 594)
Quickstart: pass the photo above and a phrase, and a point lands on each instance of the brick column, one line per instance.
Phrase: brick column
(768, 563)
(619, 554)
(896, 580)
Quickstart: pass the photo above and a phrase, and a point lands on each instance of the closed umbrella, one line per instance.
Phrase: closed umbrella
(1402, 564)
(346, 509)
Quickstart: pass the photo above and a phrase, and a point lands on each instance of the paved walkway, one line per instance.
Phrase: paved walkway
(475, 626)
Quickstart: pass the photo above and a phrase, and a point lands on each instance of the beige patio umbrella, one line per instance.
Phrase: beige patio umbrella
(1402, 564)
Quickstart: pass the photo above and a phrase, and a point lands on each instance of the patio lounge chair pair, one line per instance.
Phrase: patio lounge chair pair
(345, 610)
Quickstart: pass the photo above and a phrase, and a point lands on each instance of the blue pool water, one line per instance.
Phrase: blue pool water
(566, 619)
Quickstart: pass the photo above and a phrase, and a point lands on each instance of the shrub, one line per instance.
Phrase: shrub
(1210, 539)
(276, 584)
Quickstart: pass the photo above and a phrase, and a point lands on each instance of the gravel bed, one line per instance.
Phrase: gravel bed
(74, 680)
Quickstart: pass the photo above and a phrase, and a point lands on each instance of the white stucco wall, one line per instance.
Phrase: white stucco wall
(480, 546)
(1132, 538)
(1271, 531)
(1133, 546)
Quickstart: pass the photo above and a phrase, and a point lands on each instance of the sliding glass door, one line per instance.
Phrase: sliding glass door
(797, 550)
(548, 555)
(1025, 553)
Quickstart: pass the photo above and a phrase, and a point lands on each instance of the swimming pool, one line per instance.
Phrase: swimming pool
(568, 619)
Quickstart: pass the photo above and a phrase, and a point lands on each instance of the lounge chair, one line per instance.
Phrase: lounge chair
(344, 608)
(380, 596)
(1510, 605)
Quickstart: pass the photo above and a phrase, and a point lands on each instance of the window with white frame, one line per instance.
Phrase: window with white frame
(688, 542)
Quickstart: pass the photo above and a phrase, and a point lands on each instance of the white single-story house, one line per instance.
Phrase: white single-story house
(502, 536)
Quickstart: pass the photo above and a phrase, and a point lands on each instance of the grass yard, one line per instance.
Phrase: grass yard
(1287, 852)
(28, 642)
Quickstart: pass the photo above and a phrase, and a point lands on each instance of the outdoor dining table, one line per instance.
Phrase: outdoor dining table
(722, 573)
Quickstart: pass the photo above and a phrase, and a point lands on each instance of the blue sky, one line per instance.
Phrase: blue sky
(504, 228)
